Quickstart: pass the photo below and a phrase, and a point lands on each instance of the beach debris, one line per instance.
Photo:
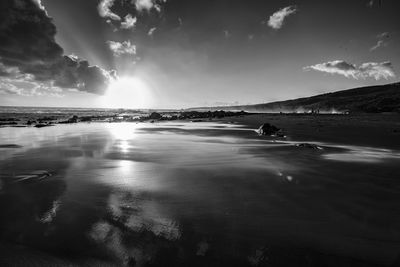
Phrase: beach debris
(33, 176)
(269, 129)
(308, 145)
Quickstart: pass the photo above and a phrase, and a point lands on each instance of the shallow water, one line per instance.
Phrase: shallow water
(193, 194)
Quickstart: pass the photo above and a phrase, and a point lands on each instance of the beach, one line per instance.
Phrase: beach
(206, 193)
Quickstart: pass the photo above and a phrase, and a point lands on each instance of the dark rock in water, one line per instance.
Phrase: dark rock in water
(86, 118)
(155, 116)
(74, 119)
(41, 125)
(10, 146)
(268, 129)
(308, 145)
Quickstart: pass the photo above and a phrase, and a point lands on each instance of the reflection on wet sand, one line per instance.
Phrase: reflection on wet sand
(193, 194)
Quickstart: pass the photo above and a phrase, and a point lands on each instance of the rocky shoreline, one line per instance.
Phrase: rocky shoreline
(45, 120)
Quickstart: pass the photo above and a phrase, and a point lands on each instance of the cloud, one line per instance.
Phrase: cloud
(147, 5)
(104, 9)
(379, 44)
(151, 31)
(276, 20)
(28, 51)
(227, 34)
(383, 35)
(9, 88)
(25, 85)
(124, 48)
(377, 70)
(129, 22)
(73, 72)
(383, 70)
(381, 41)
(371, 3)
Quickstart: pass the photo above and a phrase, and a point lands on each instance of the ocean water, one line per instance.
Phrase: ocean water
(193, 194)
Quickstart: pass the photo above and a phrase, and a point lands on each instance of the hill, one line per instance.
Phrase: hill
(380, 98)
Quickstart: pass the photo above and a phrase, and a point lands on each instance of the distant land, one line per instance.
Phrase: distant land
(369, 99)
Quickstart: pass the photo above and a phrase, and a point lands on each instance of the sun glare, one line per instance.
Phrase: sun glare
(127, 92)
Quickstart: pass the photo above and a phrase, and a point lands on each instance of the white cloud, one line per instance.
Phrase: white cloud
(104, 9)
(124, 48)
(379, 44)
(147, 5)
(129, 22)
(276, 20)
(377, 70)
(381, 41)
(39, 4)
(28, 87)
(7, 87)
(383, 70)
(151, 31)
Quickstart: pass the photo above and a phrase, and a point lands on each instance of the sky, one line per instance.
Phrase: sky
(188, 53)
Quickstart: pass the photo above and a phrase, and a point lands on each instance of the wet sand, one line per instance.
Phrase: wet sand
(375, 130)
(201, 194)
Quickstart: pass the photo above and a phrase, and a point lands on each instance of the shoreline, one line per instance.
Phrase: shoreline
(374, 130)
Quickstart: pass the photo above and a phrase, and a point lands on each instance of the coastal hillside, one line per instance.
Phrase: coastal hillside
(380, 98)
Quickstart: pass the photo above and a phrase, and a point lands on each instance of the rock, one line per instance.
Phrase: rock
(280, 133)
(73, 119)
(155, 116)
(41, 125)
(308, 145)
(268, 129)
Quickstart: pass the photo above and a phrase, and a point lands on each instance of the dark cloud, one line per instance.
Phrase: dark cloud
(28, 46)
(76, 73)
